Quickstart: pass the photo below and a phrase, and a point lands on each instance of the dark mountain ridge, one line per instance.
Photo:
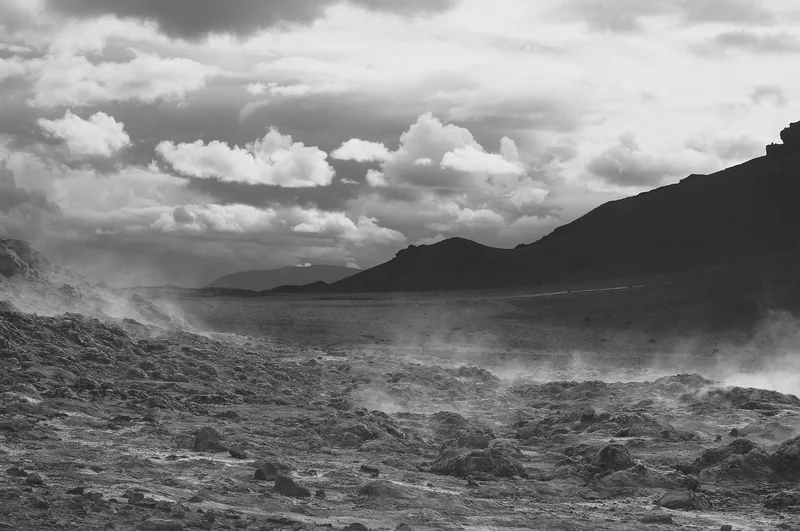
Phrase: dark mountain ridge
(285, 276)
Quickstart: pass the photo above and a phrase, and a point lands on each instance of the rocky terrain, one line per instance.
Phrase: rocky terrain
(145, 422)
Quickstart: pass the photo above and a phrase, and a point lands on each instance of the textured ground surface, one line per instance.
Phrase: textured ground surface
(575, 411)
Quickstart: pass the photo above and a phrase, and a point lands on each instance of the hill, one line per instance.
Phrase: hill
(286, 276)
(741, 217)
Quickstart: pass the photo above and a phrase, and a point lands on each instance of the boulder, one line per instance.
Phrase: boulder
(684, 500)
(497, 461)
(286, 486)
(613, 457)
(209, 440)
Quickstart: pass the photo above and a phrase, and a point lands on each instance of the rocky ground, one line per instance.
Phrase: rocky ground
(143, 422)
(110, 424)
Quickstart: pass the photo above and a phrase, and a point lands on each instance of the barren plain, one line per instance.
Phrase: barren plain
(621, 408)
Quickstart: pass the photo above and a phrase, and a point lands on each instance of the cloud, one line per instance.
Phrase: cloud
(630, 163)
(273, 160)
(338, 225)
(242, 219)
(100, 135)
(217, 218)
(23, 213)
(76, 81)
(768, 93)
(376, 179)
(628, 16)
(735, 148)
(361, 151)
(10, 68)
(291, 91)
(438, 156)
(779, 43)
(470, 159)
(194, 19)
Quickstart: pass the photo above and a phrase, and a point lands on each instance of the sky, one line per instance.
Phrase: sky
(152, 142)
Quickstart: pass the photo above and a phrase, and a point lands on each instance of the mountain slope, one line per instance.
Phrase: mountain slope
(735, 215)
(286, 276)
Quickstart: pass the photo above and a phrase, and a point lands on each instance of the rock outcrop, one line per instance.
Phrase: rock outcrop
(790, 137)
(19, 259)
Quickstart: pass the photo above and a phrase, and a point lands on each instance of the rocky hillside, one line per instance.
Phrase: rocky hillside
(286, 276)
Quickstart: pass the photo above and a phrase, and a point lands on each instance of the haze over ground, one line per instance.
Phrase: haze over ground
(270, 133)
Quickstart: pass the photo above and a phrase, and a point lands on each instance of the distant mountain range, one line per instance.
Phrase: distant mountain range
(747, 213)
(285, 276)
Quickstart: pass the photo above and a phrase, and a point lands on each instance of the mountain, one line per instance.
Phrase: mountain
(286, 276)
(745, 214)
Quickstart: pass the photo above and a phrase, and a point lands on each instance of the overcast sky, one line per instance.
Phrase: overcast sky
(146, 141)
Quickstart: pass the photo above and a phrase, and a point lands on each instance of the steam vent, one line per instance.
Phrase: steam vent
(791, 142)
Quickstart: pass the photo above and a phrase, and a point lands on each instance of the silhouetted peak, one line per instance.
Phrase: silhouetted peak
(790, 137)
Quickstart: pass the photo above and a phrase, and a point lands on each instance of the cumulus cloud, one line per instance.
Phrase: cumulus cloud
(470, 159)
(628, 162)
(238, 218)
(376, 178)
(66, 79)
(193, 19)
(216, 218)
(273, 160)
(361, 151)
(435, 155)
(100, 135)
(339, 225)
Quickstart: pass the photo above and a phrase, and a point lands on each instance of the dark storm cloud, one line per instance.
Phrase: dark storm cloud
(628, 16)
(193, 19)
(747, 41)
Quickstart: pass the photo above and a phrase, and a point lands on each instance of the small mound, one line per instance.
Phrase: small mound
(487, 462)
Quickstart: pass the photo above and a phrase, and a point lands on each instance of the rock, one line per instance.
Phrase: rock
(657, 519)
(726, 527)
(355, 527)
(613, 457)
(39, 503)
(155, 524)
(684, 500)
(286, 486)
(16, 472)
(788, 499)
(238, 453)
(479, 463)
(383, 489)
(371, 470)
(17, 258)
(787, 458)
(208, 440)
(716, 455)
(269, 471)
(320, 494)
(34, 479)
